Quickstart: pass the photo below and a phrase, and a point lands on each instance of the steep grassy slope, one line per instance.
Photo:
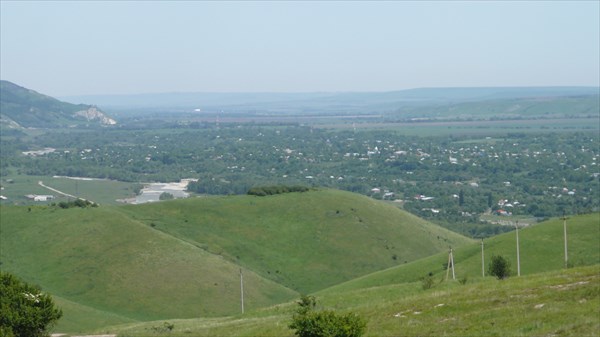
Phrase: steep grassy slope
(108, 262)
(305, 241)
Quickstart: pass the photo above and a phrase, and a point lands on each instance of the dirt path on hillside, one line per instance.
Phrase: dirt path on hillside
(41, 183)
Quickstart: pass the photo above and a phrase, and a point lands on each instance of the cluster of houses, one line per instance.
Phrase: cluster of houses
(386, 193)
(504, 203)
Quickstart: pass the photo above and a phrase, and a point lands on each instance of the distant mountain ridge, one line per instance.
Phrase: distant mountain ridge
(416, 96)
(22, 107)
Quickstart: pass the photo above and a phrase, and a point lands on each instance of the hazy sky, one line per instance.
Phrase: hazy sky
(106, 47)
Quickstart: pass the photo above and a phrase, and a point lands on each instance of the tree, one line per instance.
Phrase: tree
(166, 196)
(24, 310)
(500, 267)
(309, 322)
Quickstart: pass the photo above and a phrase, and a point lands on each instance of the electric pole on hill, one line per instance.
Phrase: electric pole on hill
(242, 289)
(565, 231)
(518, 256)
(450, 265)
(482, 260)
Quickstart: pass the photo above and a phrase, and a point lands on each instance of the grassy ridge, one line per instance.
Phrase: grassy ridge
(541, 249)
(305, 241)
(108, 262)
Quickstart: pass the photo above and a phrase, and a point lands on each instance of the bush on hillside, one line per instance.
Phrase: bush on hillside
(82, 203)
(24, 309)
(309, 322)
(427, 281)
(278, 189)
(500, 267)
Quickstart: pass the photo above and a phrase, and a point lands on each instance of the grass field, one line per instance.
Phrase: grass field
(108, 262)
(475, 128)
(557, 303)
(304, 241)
(141, 266)
(104, 192)
(541, 249)
(181, 259)
(547, 300)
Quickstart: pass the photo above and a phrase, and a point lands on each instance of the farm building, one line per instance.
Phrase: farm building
(37, 197)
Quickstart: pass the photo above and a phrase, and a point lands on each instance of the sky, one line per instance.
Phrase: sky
(108, 47)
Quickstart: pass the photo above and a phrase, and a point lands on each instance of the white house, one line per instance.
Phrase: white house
(36, 197)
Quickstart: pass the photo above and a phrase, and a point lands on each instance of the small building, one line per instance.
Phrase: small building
(37, 197)
(389, 195)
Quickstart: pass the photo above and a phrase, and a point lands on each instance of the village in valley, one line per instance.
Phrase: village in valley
(469, 178)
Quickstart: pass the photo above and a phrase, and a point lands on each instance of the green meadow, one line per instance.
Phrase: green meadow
(547, 300)
(182, 258)
(305, 241)
(103, 192)
(556, 303)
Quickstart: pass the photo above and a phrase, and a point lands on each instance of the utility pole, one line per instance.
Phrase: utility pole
(518, 256)
(450, 265)
(242, 288)
(565, 231)
(482, 260)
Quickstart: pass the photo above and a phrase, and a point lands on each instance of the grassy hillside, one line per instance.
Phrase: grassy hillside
(541, 249)
(304, 241)
(181, 259)
(546, 300)
(557, 303)
(108, 262)
(79, 318)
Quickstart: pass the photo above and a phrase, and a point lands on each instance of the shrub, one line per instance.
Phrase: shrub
(500, 267)
(427, 281)
(166, 196)
(278, 189)
(309, 322)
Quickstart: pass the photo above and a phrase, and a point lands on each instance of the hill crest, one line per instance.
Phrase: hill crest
(25, 108)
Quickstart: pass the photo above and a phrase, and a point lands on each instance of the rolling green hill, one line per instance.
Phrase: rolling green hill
(557, 303)
(546, 300)
(103, 260)
(304, 241)
(181, 259)
(21, 107)
(541, 249)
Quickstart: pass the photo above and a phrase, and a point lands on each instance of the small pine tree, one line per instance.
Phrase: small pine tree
(499, 267)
